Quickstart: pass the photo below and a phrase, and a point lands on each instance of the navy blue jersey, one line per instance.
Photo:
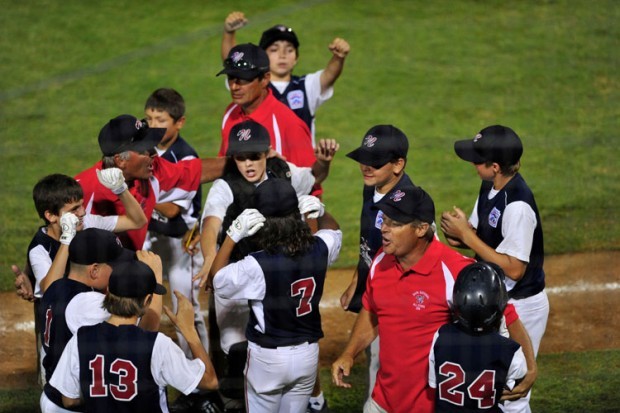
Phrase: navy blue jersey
(294, 287)
(176, 227)
(370, 239)
(295, 97)
(470, 370)
(490, 217)
(115, 369)
(48, 243)
(55, 333)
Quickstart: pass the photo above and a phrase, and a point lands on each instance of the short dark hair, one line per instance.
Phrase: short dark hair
(53, 191)
(168, 100)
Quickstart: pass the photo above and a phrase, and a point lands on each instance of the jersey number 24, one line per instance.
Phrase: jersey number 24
(481, 389)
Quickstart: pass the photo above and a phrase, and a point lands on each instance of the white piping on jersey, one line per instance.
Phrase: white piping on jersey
(89, 205)
(449, 280)
(276, 132)
(227, 115)
(376, 261)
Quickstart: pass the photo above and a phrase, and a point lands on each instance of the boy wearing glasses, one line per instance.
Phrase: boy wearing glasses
(303, 94)
(248, 165)
(247, 69)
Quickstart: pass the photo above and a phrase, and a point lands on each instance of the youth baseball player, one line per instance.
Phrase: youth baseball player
(470, 363)
(115, 366)
(284, 284)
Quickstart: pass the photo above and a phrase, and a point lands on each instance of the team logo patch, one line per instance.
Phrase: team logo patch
(494, 217)
(379, 220)
(237, 56)
(244, 134)
(419, 300)
(295, 99)
(370, 141)
(397, 196)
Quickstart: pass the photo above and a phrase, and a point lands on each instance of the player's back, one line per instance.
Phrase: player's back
(471, 370)
(115, 369)
(294, 287)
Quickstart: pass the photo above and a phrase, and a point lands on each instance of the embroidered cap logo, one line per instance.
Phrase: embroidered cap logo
(244, 134)
(237, 56)
(477, 137)
(397, 196)
(370, 141)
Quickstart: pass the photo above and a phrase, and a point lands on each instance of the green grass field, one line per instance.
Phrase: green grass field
(438, 70)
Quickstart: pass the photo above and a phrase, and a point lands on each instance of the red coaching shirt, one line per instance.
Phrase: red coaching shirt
(410, 304)
(290, 136)
(170, 182)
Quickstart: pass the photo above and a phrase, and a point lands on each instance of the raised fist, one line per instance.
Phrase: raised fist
(234, 21)
(246, 224)
(113, 179)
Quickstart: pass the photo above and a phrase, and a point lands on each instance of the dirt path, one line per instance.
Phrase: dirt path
(583, 290)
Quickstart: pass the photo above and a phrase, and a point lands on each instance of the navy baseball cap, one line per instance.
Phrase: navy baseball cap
(245, 61)
(127, 133)
(495, 143)
(134, 279)
(278, 32)
(247, 137)
(94, 245)
(408, 204)
(380, 145)
(275, 197)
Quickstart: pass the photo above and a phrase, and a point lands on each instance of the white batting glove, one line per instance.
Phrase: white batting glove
(311, 205)
(247, 223)
(68, 225)
(113, 179)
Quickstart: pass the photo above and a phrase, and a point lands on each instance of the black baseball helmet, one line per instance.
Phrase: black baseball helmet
(479, 297)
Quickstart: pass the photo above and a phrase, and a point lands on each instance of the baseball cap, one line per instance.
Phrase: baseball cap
(248, 136)
(278, 32)
(94, 245)
(407, 204)
(127, 133)
(275, 197)
(380, 145)
(134, 279)
(495, 143)
(245, 61)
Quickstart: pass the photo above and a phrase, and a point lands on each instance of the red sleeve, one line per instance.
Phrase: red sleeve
(298, 141)
(177, 179)
(511, 314)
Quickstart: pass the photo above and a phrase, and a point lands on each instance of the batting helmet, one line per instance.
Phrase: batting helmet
(479, 296)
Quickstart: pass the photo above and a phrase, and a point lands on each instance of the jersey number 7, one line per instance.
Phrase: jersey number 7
(304, 288)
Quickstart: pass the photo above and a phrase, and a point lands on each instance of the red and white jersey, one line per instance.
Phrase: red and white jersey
(170, 182)
(410, 305)
(290, 136)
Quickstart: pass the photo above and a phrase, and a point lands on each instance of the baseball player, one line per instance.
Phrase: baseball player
(248, 165)
(505, 228)
(303, 94)
(470, 363)
(115, 366)
(284, 284)
(382, 157)
(75, 300)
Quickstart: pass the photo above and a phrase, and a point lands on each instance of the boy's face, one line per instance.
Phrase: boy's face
(157, 118)
(485, 171)
(282, 58)
(380, 177)
(252, 165)
(76, 208)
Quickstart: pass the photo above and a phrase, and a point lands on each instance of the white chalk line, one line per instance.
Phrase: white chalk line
(328, 304)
